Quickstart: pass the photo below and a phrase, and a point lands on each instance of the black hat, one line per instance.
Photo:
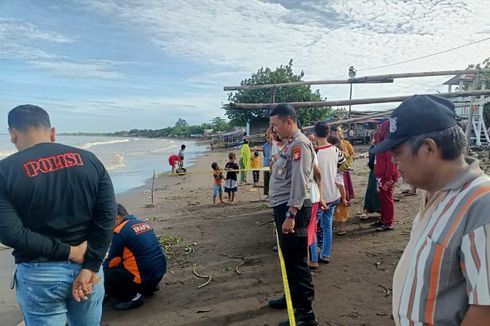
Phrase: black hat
(417, 115)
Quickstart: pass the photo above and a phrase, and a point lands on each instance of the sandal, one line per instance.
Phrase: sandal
(363, 217)
(341, 233)
(323, 260)
(385, 228)
(377, 224)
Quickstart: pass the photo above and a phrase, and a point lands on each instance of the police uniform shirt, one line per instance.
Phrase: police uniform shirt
(292, 173)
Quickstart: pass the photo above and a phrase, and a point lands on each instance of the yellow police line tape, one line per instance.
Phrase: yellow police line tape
(287, 294)
(211, 171)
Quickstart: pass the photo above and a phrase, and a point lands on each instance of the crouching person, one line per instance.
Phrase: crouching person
(136, 262)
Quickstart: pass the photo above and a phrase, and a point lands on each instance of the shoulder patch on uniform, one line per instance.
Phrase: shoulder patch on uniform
(296, 152)
(141, 228)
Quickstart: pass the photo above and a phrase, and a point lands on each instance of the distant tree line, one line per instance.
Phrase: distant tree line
(180, 129)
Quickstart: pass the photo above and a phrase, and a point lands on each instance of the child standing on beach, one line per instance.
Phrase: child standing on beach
(217, 180)
(256, 163)
(342, 211)
(231, 184)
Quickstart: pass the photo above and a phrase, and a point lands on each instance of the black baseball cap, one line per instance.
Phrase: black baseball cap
(418, 114)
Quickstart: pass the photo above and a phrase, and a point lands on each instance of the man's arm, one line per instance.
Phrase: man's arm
(104, 215)
(301, 164)
(477, 316)
(475, 258)
(15, 235)
(116, 249)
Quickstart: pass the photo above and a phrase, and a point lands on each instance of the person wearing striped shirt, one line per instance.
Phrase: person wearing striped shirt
(443, 276)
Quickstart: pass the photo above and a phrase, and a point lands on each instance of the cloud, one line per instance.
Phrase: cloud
(324, 37)
(11, 29)
(76, 70)
(24, 41)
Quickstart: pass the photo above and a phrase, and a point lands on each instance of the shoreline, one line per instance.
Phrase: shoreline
(147, 183)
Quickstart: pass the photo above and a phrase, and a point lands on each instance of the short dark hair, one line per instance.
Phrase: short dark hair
(451, 141)
(284, 111)
(321, 129)
(231, 155)
(182, 146)
(245, 141)
(214, 165)
(334, 140)
(27, 116)
(121, 210)
(256, 153)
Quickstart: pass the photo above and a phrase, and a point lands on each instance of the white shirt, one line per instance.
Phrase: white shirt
(328, 158)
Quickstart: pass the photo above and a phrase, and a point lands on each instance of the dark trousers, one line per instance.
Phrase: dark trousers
(118, 283)
(267, 177)
(256, 175)
(294, 249)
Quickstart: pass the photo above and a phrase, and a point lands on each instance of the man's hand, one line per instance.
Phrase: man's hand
(77, 253)
(345, 202)
(83, 284)
(323, 205)
(288, 226)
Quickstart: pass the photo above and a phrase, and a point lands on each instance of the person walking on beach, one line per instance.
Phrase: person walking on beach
(245, 160)
(173, 161)
(57, 211)
(231, 184)
(387, 175)
(181, 156)
(329, 158)
(371, 200)
(289, 195)
(442, 277)
(256, 163)
(217, 181)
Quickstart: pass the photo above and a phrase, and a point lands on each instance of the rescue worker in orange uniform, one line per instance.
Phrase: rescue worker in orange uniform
(135, 264)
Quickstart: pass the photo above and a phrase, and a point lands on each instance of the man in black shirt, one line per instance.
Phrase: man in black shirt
(57, 209)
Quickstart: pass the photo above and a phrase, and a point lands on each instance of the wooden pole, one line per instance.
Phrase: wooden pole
(366, 79)
(299, 105)
(152, 203)
(469, 128)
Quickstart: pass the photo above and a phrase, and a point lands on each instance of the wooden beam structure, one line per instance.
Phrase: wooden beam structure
(366, 79)
(316, 104)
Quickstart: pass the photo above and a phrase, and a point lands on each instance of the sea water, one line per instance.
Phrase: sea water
(129, 161)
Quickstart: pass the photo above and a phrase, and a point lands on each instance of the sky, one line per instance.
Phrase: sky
(107, 65)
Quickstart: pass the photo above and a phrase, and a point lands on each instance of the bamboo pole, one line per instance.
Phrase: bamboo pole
(298, 105)
(365, 79)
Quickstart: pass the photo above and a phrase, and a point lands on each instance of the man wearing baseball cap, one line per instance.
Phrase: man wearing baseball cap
(442, 277)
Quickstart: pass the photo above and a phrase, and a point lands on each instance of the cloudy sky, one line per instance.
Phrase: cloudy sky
(105, 65)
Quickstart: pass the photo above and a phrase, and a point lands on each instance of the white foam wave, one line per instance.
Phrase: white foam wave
(161, 150)
(116, 163)
(5, 153)
(109, 142)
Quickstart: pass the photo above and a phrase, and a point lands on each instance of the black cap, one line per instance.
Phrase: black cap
(417, 115)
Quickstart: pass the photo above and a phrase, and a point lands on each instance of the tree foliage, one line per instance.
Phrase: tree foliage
(281, 74)
(180, 129)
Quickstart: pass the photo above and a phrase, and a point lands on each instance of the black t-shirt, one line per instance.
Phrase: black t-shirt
(232, 175)
(53, 196)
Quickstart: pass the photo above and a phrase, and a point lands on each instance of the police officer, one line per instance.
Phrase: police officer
(289, 195)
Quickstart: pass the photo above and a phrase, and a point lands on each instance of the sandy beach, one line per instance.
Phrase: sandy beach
(214, 239)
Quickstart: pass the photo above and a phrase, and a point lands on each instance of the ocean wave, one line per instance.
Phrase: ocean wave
(161, 150)
(7, 152)
(109, 142)
(116, 163)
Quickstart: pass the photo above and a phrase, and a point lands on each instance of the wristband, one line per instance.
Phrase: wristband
(290, 214)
